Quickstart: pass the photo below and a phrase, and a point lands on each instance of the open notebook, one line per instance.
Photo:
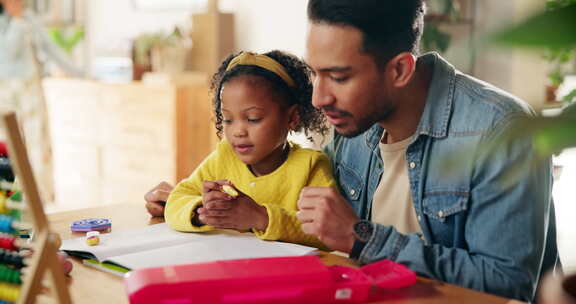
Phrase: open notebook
(158, 245)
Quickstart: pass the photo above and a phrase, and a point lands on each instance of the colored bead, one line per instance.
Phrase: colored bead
(6, 224)
(9, 292)
(11, 261)
(10, 275)
(3, 199)
(8, 243)
(16, 196)
(11, 258)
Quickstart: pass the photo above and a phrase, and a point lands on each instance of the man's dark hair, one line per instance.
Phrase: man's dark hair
(1, 9)
(389, 27)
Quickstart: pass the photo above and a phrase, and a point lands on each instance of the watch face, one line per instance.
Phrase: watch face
(363, 230)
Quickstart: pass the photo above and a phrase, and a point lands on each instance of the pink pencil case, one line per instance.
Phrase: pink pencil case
(302, 279)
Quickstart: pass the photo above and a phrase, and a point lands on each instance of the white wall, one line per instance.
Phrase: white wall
(529, 69)
(519, 72)
(112, 24)
(263, 25)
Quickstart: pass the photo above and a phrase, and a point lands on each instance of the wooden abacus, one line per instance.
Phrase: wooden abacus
(44, 248)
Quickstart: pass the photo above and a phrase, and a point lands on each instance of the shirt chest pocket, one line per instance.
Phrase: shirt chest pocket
(441, 205)
(350, 183)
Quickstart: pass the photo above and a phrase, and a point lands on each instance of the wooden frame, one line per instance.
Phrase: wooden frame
(45, 246)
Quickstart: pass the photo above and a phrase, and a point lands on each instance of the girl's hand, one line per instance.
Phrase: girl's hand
(221, 210)
(211, 194)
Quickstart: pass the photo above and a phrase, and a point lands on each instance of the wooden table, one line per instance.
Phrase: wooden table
(89, 285)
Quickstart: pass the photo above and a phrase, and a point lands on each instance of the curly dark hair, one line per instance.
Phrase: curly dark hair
(311, 119)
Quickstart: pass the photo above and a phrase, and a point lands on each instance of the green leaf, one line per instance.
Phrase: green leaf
(551, 29)
(67, 43)
(570, 97)
(555, 4)
(556, 77)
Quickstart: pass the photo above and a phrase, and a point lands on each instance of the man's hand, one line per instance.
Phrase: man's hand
(221, 210)
(156, 198)
(327, 215)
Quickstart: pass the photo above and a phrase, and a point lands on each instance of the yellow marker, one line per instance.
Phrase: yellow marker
(230, 191)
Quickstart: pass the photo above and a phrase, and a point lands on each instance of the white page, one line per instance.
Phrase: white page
(159, 245)
(216, 247)
(131, 240)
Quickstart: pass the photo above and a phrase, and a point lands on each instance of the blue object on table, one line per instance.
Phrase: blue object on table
(93, 224)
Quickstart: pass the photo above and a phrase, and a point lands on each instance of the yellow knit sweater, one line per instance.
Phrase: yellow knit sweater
(277, 191)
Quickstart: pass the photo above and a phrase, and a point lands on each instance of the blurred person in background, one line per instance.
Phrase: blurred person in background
(25, 49)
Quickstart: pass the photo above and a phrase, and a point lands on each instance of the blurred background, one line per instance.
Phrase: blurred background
(130, 105)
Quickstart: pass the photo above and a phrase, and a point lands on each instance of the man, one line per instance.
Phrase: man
(156, 198)
(487, 223)
(398, 117)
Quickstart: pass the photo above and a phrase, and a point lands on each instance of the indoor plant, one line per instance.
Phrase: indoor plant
(558, 57)
(159, 52)
(67, 38)
(439, 12)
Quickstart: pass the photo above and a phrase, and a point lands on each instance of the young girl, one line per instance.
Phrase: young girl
(258, 100)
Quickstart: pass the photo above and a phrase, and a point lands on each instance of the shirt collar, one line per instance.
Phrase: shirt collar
(438, 108)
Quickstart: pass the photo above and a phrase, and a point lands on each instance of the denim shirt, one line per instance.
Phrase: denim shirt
(486, 215)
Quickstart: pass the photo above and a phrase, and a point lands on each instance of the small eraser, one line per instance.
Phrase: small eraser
(93, 238)
(230, 190)
(92, 233)
(93, 241)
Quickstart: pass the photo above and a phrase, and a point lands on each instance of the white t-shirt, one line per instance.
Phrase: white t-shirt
(392, 204)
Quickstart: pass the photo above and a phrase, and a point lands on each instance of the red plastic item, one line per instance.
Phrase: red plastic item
(266, 280)
(3, 149)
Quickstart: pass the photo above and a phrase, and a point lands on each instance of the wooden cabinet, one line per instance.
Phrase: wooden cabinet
(113, 142)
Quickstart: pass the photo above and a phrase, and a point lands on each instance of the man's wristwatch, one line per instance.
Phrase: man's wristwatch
(363, 230)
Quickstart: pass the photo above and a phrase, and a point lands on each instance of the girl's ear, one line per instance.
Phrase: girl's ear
(293, 117)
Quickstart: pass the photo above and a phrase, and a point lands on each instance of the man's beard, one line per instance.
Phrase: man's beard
(357, 127)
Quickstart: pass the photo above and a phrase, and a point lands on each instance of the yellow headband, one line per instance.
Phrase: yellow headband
(263, 61)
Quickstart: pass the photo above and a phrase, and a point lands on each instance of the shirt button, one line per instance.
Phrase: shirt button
(440, 213)
(412, 165)
(352, 192)
(419, 218)
(252, 185)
